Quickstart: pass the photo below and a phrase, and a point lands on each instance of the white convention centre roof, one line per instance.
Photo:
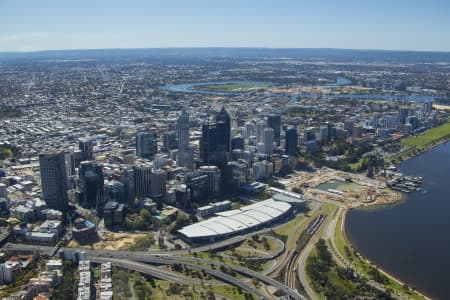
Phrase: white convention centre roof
(237, 220)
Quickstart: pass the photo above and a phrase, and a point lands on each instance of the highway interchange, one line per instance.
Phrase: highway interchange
(290, 261)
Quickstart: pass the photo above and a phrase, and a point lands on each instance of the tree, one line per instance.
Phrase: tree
(181, 221)
(145, 216)
(255, 282)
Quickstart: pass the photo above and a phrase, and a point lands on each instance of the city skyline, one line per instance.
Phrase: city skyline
(224, 149)
(50, 25)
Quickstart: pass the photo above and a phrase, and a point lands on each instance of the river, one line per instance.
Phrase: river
(411, 240)
(190, 88)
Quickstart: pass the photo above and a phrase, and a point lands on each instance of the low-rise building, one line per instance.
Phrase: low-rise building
(212, 208)
(85, 280)
(106, 290)
(84, 231)
(12, 267)
(113, 213)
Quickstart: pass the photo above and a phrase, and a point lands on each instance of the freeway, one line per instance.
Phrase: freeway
(302, 257)
(294, 261)
(168, 259)
(244, 271)
(290, 244)
(149, 270)
(132, 265)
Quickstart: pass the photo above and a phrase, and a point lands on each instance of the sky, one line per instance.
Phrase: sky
(35, 25)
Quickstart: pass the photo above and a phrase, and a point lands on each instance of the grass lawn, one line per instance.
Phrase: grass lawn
(160, 291)
(357, 90)
(286, 229)
(250, 248)
(227, 291)
(351, 186)
(229, 87)
(357, 165)
(428, 136)
(339, 238)
(97, 273)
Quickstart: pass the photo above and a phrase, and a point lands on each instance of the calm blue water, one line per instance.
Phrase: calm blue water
(411, 240)
(189, 87)
(340, 81)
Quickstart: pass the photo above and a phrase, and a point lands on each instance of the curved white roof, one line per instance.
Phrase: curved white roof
(236, 220)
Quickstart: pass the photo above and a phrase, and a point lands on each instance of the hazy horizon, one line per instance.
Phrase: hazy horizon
(350, 24)
(230, 47)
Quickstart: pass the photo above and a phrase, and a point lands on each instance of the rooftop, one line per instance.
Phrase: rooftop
(236, 220)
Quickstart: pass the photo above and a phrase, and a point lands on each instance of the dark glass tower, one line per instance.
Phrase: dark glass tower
(224, 117)
(146, 145)
(91, 184)
(86, 146)
(214, 143)
(274, 122)
(291, 141)
(54, 180)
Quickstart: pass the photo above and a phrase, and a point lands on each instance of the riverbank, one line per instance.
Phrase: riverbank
(398, 237)
(416, 145)
(365, 266)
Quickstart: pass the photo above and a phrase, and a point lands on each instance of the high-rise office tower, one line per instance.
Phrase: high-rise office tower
(158, 182)
(183, 130)
(213, 144)
(323, 133)
(291, 137)
(262, 170)
(160, 161)
(239, 171)
(310, 134)
(3, 190)
(237, 142)
(414, 121)
(185, 152)
(260, 126)
(169, 141)
(375, 120)
(186, 158)
(403, 113)
(54, 180)
(70, 167)
(114, 191)
(146, 145)
(90, 174)
(274, 122)
(427, 107)
(348, 126)
(142, 182)
(249, 129)
(268, 140)
(197, 186)
(214, 178)
(86, 145)
(127, 179)
(224, 117)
